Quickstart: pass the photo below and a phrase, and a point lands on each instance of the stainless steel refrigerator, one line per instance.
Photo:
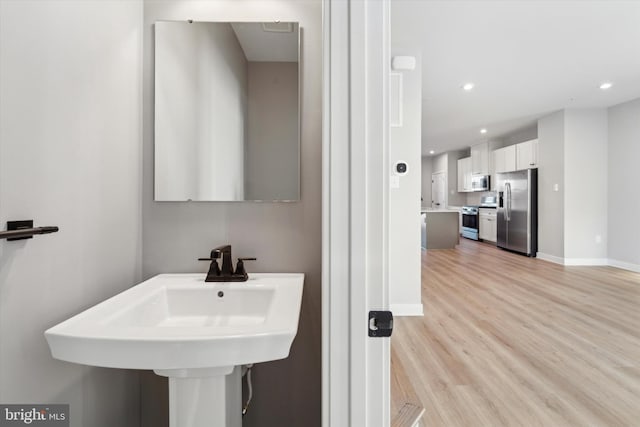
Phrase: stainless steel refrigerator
(518, 211)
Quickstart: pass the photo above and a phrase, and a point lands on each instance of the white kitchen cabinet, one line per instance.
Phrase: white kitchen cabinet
(464, 175)
(527, 154)
(488, 228)
(510, 158)
(480, 159)
(467, 174)
(504, 159)
(498, 161)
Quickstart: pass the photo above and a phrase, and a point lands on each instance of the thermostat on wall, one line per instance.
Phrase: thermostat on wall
(401, 168)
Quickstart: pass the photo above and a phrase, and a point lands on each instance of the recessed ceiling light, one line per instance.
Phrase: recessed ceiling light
(431, 152)
(467, 86)
(606, 85)
(483, 130)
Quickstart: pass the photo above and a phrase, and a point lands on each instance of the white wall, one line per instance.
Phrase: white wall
(404, 201)
(551, 173)
(272, 154)
(623, 199)
(70, 108)
(200, 111)
(284, 237)
(585, 182)
(440, 163)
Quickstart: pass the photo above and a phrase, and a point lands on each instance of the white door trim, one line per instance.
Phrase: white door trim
(355, 224)
(335, 199)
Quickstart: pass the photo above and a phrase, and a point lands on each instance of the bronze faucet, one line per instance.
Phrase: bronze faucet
(226, 273)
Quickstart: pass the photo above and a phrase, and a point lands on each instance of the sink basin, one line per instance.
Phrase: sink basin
(177, 321)
(196, 333)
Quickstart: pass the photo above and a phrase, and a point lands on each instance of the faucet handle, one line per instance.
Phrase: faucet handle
(240, 266)
(215, 254)
(214, 269)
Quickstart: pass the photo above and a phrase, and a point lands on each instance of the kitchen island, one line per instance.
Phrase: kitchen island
(440, 228)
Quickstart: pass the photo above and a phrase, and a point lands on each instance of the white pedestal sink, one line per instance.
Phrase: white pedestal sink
(198, 334)
(207, 397)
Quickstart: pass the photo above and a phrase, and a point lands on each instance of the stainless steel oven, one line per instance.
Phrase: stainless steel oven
(470, 222)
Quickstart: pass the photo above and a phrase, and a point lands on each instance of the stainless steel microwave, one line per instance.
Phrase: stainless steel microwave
(480, 182)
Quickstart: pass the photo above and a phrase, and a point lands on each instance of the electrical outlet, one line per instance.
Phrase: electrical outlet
(598, 238)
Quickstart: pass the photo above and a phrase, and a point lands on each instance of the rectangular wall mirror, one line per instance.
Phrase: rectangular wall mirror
(227, 111)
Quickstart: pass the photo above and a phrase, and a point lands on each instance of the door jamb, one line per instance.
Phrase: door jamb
(356, 168)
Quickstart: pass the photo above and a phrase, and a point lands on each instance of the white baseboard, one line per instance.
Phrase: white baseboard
(624, 265)
(550, 258)
(589, 261)
(586, 261)
(406, 310)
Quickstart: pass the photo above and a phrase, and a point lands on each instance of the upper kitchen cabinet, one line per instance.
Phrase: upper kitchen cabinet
(504, 159)
(527, 154)
(464, 174)
(480, 159)
(515, 157)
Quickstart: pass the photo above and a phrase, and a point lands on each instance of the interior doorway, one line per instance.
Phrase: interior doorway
(438, 190)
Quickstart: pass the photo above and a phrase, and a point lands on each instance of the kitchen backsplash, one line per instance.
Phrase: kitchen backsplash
(474, 198)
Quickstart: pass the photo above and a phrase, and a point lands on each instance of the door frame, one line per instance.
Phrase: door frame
(356, 169)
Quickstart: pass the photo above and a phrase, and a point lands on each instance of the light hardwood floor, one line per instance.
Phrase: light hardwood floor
(508, 340)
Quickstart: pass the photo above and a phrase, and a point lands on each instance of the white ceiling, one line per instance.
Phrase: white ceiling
(526, 59)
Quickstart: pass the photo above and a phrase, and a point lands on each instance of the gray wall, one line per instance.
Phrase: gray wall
(572, 151)
(272, 155)
(447, 163)
(440, 163)
(404, 201)
(286, 237)
(521, 135)
(585, 181)
(70, 107)
(551, 172)
(623, 199)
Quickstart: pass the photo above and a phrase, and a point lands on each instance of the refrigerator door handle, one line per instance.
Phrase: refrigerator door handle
(507, 187)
